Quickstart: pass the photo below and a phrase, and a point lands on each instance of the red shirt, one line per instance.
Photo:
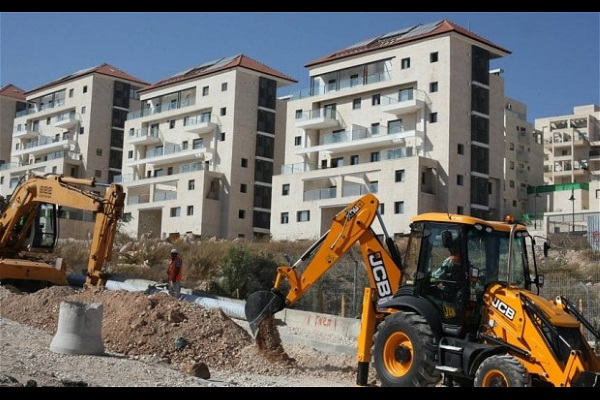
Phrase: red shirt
(175, 268)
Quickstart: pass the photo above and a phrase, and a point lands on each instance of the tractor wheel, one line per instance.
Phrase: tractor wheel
(502, 371)
(404, 353)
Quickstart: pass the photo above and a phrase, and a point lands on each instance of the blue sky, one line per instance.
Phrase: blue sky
(554, 65)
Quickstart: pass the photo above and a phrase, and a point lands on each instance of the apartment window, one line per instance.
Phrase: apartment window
(224, 87)
(433, 57)
(433, 87)
(172, 124)
(98, 173)
(375, 156)
(223, 111)
(400, 175)
(375, 128)
(381, 208)
(405, 63)
(285, 218)
(298, 114)
(514, 203)
(376, 100)
(298, 141)
(184, 145)
(244, 163)
(398, 207)
(130, 154)
(353, 80)
(243, 188)
(511, 146)
(222, 136)
(303, 216)
(323, 164)
(71, 92)
(512, 165)
(285, 189)
(459, 180)
(190, 210)
(356, 104)
(433, 117)
(337, 162)
(198, 143)
(99, 152)
(460, 210)
(460, 148)
(395, 126)
(83, 109)
(241, 214)
(512, 184)
(191, 184)
(85, 89)
(48, 120)
(169, 170)
(81, 130)
(205, 91)
(175, 211)
(354, 159)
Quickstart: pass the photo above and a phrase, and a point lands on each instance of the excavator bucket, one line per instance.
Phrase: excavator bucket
(260, 305)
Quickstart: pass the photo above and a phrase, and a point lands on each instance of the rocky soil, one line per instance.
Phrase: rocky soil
(152, 340)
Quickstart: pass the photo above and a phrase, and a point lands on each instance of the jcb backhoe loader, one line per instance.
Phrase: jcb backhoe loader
(29, 227)
(477, 325)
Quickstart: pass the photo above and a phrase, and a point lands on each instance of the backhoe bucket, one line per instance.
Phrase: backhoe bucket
(260, 305)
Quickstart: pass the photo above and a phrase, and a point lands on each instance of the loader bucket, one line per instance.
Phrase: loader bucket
(260, 305)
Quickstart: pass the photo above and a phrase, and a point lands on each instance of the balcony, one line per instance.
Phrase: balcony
(66, 121)
(344, 85)
(143, 136)
(199, 124)
(176, 105)
(145, 198)
(320, 118)
(22, 132)
(169, 154)
(45, 145)
(405, 102)
(132, 180)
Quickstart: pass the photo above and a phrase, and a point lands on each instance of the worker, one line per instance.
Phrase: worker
(450, 269)
(174, 272)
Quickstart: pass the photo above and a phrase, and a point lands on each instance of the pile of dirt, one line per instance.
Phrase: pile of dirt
(188, 336)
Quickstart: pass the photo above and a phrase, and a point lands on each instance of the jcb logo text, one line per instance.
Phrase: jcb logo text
(382, 282)
(503, 308)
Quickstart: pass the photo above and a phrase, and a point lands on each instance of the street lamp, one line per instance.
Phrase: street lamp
(572, 200)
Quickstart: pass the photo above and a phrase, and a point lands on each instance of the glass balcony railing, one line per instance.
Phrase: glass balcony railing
(344, 84)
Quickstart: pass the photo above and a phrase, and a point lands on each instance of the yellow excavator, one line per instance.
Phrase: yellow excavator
(423, 323)
(29, 227)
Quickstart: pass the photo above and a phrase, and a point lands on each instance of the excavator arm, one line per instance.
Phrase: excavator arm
(351, 225)
(19, 216)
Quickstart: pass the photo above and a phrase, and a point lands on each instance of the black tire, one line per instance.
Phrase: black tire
(404, 353)
(502, 371)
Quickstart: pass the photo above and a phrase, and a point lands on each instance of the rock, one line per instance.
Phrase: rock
(197, 369)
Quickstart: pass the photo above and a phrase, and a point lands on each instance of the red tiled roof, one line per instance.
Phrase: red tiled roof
(11, 90)
(219, 65)
(386, 40)
(104, 69)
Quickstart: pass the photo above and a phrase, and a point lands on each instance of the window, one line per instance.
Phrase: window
(285, 218)
(83, 109)
(85, 89)
(460, 210)
(184, 145)
(375, 156)
(512, 184)
(222, 136)
(376, 100)
(99, 152)
(399, 175)
(405, 63)
(375, 128)
(175, 211)
(512, 165)
(169, 170)
(433, 117)
(356, 104)
(298, 114)
(130, 154)
(398, 207)
(98, 173)
(198, 144)
(381, 208)
(244, 163)
(190, 210)
(395, 126)
(71, 92)
(460, 148)
(511, 146)
(205, 91)
(298, 141)
(81, 130)
(433, 57)
(285, 189)
(191, 184)
(433, 87)
(241, 214)
(303, 216)
(48, 120)
(337, 162)
(224, 87)
(459, 180)
(172, 124)
(353, 80)
(354, 159)
(223, 111)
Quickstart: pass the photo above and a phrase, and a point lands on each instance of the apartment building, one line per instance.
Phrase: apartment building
(12, 100)
(200, 153)
(571, 190)
(523, 164)
(73, 126)
(414, 116)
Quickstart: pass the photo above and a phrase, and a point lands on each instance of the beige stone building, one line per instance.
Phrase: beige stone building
(571, 190)
(12, 100)
(414, 116)
(73, 126)
(200, 153)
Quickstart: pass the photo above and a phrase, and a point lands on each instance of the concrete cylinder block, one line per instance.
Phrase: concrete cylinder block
(79, 329)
